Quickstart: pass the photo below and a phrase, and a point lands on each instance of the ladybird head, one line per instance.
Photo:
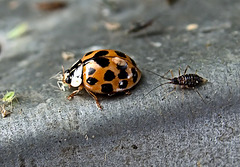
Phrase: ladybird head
(74, 77)
(66, 77)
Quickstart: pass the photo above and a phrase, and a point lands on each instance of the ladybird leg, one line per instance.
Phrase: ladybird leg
(75, 92)
(127, 92)
(174, 90)
(72, 94)
(95, 98)
(111, 94)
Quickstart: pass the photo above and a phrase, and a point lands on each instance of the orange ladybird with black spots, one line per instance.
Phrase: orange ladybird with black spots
(102, 72)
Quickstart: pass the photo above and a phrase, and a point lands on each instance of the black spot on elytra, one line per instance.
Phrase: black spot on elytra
(123, 84)
(88, 53)
(101, 53)
(103, 62)
(107, 88)
(109, 75)
(91, 71)
(92, 81)
(133, 62)
(120, 54)
(135, 75)
(123, 74)
(122, 67)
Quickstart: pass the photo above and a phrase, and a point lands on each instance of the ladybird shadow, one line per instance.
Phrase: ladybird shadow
(103, 98)
(115, 96)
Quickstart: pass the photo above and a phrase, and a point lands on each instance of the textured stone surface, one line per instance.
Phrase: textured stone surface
(45, 129)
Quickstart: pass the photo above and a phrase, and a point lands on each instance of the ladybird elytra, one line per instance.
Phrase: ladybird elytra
(102, 72)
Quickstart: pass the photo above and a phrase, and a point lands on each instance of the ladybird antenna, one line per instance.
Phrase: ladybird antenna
(157, 87)
(63, 74)
(56, 76)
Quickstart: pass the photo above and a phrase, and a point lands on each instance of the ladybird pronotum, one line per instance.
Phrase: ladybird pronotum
(102, 72)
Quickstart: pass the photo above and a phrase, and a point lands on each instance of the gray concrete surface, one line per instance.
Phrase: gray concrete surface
(45, 129)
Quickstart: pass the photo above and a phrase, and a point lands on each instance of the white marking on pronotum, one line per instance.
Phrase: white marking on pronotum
(77, 77)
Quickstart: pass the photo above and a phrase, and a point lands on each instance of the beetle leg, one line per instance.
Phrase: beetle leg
(174, 90)
(163, 76)
(111, 94)
(179, 72)
(95, 98)
(172, 73)
(199, 95)
(75, 92)
(186, 69)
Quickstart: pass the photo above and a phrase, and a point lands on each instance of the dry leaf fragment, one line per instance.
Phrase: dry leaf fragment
(4, 111)
(18, 31)
(191, 27)
(112, 26)
(138, 26)
(51, 6)
(67, 55)
(171, 2)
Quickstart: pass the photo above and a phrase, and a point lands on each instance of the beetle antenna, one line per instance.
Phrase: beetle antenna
(162, 76)
(157, 87)
(152, 72)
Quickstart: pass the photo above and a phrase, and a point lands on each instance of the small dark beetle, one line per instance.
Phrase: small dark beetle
(185, 81)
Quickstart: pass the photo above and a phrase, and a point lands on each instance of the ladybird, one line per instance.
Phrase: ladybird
(102, 72)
